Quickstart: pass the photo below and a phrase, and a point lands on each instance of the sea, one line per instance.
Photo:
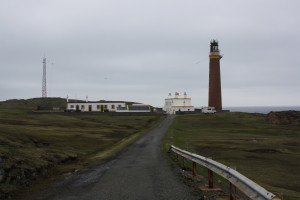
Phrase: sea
(261, 109)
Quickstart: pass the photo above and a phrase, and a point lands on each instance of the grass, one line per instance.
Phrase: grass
(267, 154)
(31, 144)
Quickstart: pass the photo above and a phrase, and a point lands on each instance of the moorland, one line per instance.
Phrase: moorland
(38, 148)
(268, 154)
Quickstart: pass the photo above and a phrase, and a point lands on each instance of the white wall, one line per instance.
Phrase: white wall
(94, 106)
(175, 104)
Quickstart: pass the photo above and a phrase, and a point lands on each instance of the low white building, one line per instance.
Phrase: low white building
(175, 104)
(91, 106)
(105, 106)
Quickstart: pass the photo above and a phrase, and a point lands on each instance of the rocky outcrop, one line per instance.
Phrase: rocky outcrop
(284, 117)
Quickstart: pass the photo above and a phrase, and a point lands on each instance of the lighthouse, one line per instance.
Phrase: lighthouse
(214, 93)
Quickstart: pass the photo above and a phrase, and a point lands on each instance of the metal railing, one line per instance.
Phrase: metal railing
(248, 187)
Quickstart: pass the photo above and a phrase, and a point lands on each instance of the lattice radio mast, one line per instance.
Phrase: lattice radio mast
(44, 84)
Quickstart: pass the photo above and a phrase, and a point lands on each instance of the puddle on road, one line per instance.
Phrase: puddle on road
(85, 177)
(74, 182)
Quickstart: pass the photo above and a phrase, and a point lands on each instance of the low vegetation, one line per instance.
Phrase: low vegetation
(34, 145)
(268, 154)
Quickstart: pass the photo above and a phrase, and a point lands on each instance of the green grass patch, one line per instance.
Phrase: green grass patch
(32, 144)
(267, 154)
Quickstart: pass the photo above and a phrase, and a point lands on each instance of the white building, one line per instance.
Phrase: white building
(105, 106)
(172, 105)
(91, 106)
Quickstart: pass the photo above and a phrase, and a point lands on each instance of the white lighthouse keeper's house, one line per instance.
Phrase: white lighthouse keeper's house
(172, 105)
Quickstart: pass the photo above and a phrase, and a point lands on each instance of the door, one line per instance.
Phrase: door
(90, 108)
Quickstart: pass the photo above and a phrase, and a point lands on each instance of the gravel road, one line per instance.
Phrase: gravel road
(139, 172)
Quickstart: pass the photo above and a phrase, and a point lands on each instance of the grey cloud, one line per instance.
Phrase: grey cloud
(142, 50)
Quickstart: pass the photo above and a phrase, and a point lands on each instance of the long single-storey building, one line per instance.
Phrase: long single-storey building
(105, 106)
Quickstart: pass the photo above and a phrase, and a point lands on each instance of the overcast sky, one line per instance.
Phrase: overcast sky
(138, 50)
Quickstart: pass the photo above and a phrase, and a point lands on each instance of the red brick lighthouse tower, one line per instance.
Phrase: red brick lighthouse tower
(214, 93)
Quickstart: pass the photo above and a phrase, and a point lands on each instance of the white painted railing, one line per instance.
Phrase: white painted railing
(251, 189)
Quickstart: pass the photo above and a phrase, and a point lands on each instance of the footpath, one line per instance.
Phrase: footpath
(139, 172)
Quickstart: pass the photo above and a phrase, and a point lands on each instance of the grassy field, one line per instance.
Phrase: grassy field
(32, 144)
(267, 154)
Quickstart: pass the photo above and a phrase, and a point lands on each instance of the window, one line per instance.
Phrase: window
(98, 107)
(105, 106)
(82, 107)
(112, 106)
(72, 106)
(119, 106)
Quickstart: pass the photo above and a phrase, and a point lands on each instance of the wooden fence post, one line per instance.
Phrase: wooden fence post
(194, 169)
(210, 179)
(232, 190)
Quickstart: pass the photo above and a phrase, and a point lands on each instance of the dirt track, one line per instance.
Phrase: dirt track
(139, 172)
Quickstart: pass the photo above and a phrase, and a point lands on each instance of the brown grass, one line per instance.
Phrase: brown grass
(34, 144)
(266, 153)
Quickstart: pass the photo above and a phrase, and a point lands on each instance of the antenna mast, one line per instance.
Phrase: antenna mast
(44, 89)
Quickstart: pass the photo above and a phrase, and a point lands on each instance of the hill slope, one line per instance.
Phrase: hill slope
(269, 154)
(33, 145)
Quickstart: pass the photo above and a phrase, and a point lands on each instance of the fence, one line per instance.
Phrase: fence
(237, 180)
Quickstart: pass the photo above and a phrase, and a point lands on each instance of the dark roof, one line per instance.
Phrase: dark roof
(121, 108)
(138, 107)
(100, 101)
